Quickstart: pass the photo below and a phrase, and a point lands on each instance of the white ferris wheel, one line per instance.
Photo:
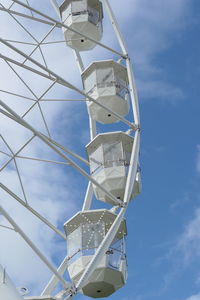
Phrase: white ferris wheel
(40, 42)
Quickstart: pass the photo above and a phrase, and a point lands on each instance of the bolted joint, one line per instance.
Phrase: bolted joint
(73, 290)
(127, 57)
(138, 127)
(135, 127)
(123, 205)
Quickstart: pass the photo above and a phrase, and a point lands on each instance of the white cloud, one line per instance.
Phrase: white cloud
(194, 297)
(189, 242)
(183, 253)
(151, 27)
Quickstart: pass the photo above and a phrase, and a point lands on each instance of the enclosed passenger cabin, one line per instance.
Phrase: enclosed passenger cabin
(109, 156)
(85, 232)
(107, 83)
(84, 16)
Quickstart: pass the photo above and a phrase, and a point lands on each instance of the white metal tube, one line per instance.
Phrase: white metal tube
(67, 150)
(42, 298)
(115, 26)
(18, 150)
(33, 211)
(79, 60)
(34, 248)
(132, 168)
(43, 160)
(7, 289)
(92, 125)
(133, 93)
(6, 58)
(55, 6)
(88, 197)
(54, 280)
(13, 12)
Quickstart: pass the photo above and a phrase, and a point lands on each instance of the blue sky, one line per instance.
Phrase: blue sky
(164, 220)
(163, 243)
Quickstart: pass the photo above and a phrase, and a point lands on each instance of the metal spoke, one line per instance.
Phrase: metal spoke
(21, 42)
(11, 5)
(43, 160)
(30, 35)
(67, 150)
(32, 210)
(38, 46)
(37, 102)
(17, 169)
(30, 9)
(7, 227)
(44, 60)
(13, 12)
(65, 284)
(39, 43)
(20, 24)
(5, 153)
(17, 95)
(54, 281)
(8, 59)
(17, 153)
(63, 100)
(25, 124)
(55, 42)
(21, 79)
(44, 120)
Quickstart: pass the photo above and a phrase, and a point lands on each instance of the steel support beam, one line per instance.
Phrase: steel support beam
(88, 197)
(54, 280)
(33, 211)
(65, 284)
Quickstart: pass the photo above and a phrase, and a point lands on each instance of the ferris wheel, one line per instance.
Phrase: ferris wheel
(41, 42)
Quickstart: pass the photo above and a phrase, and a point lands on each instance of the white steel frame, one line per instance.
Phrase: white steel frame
(69, 290)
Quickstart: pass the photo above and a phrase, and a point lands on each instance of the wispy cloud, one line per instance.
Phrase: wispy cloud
(189, 241)
(194, 297)
(155, 26)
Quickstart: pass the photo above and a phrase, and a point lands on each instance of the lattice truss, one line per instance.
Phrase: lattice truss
(34, 87)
